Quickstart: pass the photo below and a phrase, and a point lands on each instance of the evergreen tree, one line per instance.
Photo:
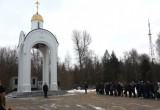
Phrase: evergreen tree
(114, 67)
(105, 62)
(144, 68)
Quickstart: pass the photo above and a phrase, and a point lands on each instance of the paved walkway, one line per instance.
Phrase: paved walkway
(81, 101)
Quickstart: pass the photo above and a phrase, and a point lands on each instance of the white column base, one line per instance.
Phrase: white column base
(24, 88)
(54, 87)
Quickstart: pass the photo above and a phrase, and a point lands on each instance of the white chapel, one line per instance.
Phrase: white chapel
(47, 44)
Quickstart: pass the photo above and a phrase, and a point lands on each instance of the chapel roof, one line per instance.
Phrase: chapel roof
(37, 17)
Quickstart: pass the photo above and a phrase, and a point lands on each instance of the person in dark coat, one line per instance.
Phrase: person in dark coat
(2, 89)
(107, 88)
(97, 88)
(133, 89)
(126, 89)
(119, 89)
(130, 89)
(111, 88)
(2, 98)
(85, 87)
(45, 90)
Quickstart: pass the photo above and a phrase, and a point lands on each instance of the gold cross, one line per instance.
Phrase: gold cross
(37, 3)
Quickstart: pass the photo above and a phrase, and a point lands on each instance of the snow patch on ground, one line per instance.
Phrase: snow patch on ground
(22, 108)
(97, 108)
(80, 91)
(81, 106)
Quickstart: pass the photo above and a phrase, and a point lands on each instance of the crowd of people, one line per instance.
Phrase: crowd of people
(147, 90)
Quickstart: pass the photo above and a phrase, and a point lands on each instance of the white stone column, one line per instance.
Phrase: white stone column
(54, 85)
(25, 79)
(20, 68)
(45, 52)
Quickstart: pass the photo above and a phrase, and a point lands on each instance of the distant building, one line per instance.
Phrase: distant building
(35, 84)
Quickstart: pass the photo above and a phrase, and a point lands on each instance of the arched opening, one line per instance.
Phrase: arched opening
(40, 66)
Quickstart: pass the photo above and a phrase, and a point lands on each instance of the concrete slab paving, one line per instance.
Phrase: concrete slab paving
(81, 101)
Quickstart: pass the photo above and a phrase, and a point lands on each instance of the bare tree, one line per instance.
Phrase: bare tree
(36, 67)
(158, 45)
(8, 65)
(81, 42)
(133, 59)
(67, 61)
(130, 65)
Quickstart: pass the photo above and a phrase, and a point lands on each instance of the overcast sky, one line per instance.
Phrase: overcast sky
(118, 25)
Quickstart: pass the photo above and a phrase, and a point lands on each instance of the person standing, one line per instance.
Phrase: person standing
(97, 88)
(85, 87)
(106, 87)
(45, 90)
(2, 98)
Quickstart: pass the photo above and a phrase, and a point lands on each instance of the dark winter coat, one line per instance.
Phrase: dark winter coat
(45, 88)
(2, 101)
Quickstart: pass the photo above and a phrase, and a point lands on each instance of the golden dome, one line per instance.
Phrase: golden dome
(37, 17)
